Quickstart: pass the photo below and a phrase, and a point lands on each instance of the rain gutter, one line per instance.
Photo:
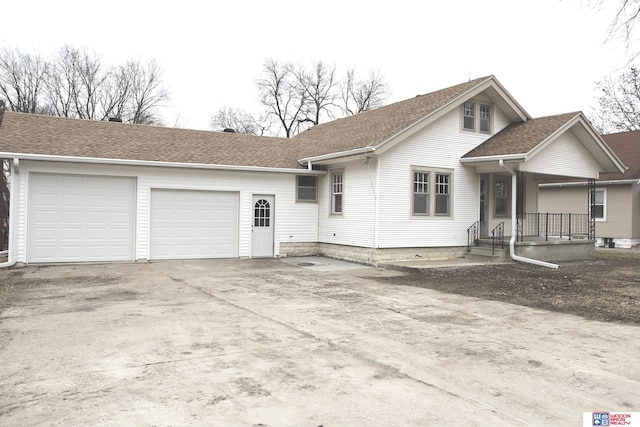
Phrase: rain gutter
(13, 217)
(512, 244)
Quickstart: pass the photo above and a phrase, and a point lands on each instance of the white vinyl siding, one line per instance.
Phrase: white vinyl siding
(356, 225)
(564, 156)
(439, 147)
(293, 222)
(80, 218)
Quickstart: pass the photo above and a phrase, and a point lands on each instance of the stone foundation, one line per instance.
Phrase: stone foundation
(369, 256)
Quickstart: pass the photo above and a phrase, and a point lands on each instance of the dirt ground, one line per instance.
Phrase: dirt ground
(605, 289)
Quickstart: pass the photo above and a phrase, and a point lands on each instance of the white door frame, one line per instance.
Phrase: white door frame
(262, 225)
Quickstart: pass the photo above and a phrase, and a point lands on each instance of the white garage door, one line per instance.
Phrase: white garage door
(74, 218)
(193, 224)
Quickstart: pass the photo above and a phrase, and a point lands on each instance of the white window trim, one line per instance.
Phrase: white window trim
(432, 192)
(604, 205)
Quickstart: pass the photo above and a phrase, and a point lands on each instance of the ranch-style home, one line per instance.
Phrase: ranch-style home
(616, 207)
(417, 178)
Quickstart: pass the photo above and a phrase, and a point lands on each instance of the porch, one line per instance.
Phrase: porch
(544, 236)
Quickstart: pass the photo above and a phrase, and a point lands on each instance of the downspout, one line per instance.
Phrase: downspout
(13, 216)
(512, 241)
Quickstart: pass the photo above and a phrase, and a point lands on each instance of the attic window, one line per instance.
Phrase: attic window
(476, 117)
(485, 118)
(469, 119)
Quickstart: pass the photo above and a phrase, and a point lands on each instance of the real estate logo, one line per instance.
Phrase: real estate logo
(630, 419)
(600, 419)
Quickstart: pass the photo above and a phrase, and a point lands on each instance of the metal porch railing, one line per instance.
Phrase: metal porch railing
(555, 225)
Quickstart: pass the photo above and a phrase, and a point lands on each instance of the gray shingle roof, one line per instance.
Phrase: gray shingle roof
(370, 128)
(520, 138)
(626, 145)
(58, 136)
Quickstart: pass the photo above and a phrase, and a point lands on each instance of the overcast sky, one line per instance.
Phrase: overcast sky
(547, 53)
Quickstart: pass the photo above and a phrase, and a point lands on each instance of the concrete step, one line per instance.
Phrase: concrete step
(484, 254)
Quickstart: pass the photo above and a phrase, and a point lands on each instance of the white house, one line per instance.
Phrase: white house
(403, 180)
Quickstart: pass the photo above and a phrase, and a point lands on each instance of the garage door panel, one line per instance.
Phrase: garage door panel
(193, 224)
(76, 218)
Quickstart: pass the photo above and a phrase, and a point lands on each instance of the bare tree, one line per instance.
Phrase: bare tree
(282, 97)
(624, 24)
(147, 92)
(76, 83)
(319, 87)
(619, 103)
(363, 95)
(22, 78)
(239, 121)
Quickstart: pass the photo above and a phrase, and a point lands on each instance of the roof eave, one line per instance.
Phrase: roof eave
(584, 183)
(334, 156)
(495, 158)
(130, 162)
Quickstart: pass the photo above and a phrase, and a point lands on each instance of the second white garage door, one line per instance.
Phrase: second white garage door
(193, 224)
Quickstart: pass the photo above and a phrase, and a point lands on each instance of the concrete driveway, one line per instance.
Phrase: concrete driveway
(273, 343)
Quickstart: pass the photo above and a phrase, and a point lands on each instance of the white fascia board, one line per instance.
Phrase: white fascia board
(128, 162)
(579, 118)
(497, 158)
(504, 94)
(584, 183)
(333, 156)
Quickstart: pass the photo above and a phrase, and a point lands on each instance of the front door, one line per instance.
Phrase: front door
(484, 208)
(262, 226)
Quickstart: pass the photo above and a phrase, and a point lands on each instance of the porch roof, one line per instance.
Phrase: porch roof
(520, 142)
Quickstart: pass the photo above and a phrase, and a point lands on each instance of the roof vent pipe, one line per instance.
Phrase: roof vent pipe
(2, 108)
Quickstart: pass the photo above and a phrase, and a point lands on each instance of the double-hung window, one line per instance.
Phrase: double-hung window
(599, 203)
(443, 193)
(432, 191)
(476, 117)
(421, 193)
(337, 183)
(469, 115)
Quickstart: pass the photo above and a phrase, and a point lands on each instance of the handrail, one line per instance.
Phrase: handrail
(472, 235)
(546, 224)
(497, 236)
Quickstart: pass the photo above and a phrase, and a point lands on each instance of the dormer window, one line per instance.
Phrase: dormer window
(476, 117)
